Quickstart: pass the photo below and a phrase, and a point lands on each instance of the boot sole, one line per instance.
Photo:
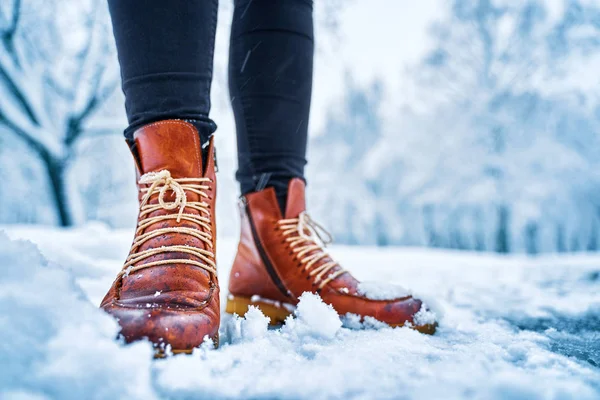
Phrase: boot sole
(277, 312)
(160, 353)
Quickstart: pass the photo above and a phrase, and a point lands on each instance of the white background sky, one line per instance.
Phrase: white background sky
(378, 38)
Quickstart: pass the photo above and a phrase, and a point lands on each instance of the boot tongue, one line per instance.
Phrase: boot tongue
(296, 202)
(173, 145)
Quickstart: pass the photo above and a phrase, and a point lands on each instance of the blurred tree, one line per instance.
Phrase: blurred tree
(499, 151)
(506, 73)
(57, 67)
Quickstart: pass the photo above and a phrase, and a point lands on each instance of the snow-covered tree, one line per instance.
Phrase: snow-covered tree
(57, 67)
(502, 84)
(500, 150)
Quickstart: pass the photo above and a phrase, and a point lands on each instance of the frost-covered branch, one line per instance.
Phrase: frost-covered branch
(13, 22)
(29, 139)
(17, 107)
(56, 70)
(100, 93)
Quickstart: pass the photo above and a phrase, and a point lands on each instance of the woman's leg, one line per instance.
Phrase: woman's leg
(270, 83)
(165, 50)
(281, 253)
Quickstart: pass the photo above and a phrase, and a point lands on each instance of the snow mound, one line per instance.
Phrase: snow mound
(431, 311)
(425, 316)
(356, 322)
(55, 343)
(382, 291)
(514, 328)
(313, 318)
(352, 321)
(252, 326)
(255, 324)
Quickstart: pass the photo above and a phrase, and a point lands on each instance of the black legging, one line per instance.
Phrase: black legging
(165, 51)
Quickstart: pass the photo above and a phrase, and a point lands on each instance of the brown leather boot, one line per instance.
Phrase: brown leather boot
(167, 290)
(278, 259)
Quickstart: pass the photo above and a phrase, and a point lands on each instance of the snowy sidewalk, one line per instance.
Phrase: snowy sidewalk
(514, 327)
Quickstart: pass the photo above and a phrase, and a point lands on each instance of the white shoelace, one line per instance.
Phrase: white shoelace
(306, 236)
(161, 182)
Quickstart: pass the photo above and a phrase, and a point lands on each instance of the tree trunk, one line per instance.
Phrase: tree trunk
(55, 169)
(593, 240)
(531, 238)
(561, 245)
(502, 235)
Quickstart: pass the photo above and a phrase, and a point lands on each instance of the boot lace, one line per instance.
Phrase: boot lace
(307, 239)
(161, 182)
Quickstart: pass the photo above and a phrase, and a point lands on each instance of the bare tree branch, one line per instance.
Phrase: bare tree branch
(23, 117)
(10, 31)
(84, 55)
(31, 140)
(9, 34)
(19, 95)
(100, 95)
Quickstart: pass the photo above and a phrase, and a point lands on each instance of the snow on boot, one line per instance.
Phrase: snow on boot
(281, 257)
(168, 290)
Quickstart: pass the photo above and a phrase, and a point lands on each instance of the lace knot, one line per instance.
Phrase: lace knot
(168, 183)
(314, 229)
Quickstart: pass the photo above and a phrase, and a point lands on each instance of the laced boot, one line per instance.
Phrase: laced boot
(167, 291)
(281, 257)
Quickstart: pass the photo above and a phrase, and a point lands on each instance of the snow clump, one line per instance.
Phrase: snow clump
(425, 316)
(254, 325)
(313, 318)
(382, 291)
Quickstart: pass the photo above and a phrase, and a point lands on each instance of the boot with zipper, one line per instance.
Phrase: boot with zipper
(280, 257)
(167, 291)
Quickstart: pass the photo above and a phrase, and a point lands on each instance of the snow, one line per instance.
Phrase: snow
(55, 343)
(425, 316)
(254, 325)
(382, 291)
(514, 327)
(313, 318)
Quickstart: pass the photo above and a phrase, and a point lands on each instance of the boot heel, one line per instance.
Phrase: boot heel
(275, 310)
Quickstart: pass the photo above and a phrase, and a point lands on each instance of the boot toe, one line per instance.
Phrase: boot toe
(182, 329)
(407, 311)
(411, 312)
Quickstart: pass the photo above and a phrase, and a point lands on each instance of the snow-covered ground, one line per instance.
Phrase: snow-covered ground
(514, 327)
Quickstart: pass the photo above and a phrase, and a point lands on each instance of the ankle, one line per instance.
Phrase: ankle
(205, 128)
(282, 200)
(288, 190)
(279, 185)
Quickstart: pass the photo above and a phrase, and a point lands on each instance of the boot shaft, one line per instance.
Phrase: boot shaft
(266, 262)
